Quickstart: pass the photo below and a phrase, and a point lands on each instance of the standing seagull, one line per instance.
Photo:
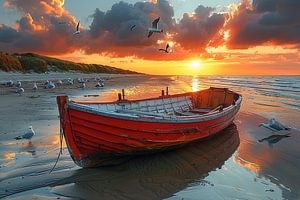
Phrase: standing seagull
(274, 125)
(10, 83)
(34, 87)
(132, 27)
(154, 28)
(20, 91)
(77, 29)
(166, 50)
(28, 135)
(59, 82)
(82, 85)
(100, 84)
(69, 81)
(18, 84)
(51, 85)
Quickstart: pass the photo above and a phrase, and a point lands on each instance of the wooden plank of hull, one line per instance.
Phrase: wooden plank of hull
(141, 138)
(110, 146)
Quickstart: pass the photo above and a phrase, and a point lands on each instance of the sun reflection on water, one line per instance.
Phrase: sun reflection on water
(195, 84)
(9, 155)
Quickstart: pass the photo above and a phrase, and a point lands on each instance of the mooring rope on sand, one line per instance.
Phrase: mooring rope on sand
(60, 148)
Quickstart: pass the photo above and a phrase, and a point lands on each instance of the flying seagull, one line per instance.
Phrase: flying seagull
(154, 28)
(132, 27)
(166, 50)
(274, 125)
(77, 29)
(28, 135)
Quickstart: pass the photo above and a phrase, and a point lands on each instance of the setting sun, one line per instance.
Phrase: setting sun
(195, 64)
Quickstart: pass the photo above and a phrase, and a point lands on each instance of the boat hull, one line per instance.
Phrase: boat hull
(97, 140)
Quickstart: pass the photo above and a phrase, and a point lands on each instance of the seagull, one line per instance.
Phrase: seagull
(34, 86)
(20, 91)
(100, 84)
(154, 28)
(82, 85)
(80, 80)
(166, 49)
(274, 125)
(77, 29)
(132, 27)
(69, 81)
(50, 85)
(18, 84)
(10, 83)
(46, 83)
(28, 135)
(59, 82)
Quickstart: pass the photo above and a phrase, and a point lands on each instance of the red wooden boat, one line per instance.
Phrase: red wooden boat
(101, 133)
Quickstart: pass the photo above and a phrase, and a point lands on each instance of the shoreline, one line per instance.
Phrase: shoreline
(244, 159)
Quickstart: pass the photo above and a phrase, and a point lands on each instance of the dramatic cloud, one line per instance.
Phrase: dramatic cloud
(46, 27)
(265, 22)
(195, 32)
(110, 32)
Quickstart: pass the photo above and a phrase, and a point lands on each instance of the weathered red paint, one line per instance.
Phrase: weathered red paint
(88, 134)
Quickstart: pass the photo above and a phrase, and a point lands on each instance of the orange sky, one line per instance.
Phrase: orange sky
(263, 60)
(245, 38)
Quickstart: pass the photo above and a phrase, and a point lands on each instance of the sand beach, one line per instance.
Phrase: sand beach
(245, 161)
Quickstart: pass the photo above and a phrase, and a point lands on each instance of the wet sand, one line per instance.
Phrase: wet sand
(244, 161)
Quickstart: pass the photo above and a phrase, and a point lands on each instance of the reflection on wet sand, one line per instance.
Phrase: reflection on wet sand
(155, 176)
(28, 148)
(279, 163)
(273, 139)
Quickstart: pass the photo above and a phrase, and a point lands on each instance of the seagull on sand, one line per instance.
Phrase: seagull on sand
(100, 84)
(34, 87)
(46, 83)
(18, 84)
(154, 28)
(20, 91)
(69, 81)
(82, 85)
(132, 27)
(9, 83)
(166, 50)
(50, 85)
(274, 125)
(77, 29)
(28, 135)
(59, 82)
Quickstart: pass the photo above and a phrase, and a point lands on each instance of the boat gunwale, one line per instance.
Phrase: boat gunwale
(163, 119)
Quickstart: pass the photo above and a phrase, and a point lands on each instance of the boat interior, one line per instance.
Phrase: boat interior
(182, 105)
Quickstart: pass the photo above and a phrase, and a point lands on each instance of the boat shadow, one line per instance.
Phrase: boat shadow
(153, 176)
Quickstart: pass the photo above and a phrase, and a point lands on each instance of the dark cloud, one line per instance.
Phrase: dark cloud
(265, 22)
(195, 32)
(46, 27)
(110, 33)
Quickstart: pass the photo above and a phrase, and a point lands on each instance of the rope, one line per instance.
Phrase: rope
(60, 149)
(61, 137)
